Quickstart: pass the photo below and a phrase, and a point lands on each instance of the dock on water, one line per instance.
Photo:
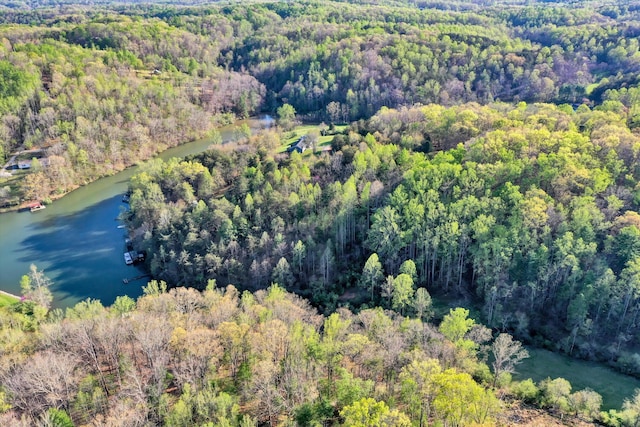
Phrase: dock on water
(133, 279)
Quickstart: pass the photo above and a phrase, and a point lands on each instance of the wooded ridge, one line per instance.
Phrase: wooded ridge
(455, 153)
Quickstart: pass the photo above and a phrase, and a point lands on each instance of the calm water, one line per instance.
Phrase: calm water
(77, 240)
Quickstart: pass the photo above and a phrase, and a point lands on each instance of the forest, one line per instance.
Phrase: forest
(532, 219)
(481, 156)
(222, 357)
(96, 90)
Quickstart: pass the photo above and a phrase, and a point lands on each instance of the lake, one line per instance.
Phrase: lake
(78, 241)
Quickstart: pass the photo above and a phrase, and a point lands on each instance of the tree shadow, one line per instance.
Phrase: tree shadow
(84, 254)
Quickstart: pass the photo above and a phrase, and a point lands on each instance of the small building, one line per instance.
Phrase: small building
(137, 257)
(134, 257)
(301, 145)
(26, 164)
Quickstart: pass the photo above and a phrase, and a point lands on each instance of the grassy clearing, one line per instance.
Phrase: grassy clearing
(6, 300)
(613, 386)
(293, 135)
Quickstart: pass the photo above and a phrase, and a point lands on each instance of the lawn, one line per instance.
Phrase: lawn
(7, 300)
(299, 131)
(12, 182)
(613, 386)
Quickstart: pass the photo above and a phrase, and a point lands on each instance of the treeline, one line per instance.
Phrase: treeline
(535, 217)
(341, 62)
(235, 215)
(225, 358)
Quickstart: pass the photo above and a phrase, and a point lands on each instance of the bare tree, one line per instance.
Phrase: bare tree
(131, 408)
(82, 339)
(193, 352)
(268, 402)
(507, 353)
(152, 334)
(35, 287)
(113, 334)
(46, 380)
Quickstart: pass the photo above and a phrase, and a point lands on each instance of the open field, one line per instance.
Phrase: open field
(299, 131)
(613, 386)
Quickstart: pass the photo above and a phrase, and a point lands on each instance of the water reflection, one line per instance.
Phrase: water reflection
(76, 240)
(82, 252)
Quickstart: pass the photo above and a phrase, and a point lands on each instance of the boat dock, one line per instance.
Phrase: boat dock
(35, 207)
(133, 279)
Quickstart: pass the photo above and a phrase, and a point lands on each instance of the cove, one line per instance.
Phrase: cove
(78, 241)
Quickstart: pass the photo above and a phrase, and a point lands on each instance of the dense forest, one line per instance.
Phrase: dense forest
(481, 155)
(95, 90)
(533, 218)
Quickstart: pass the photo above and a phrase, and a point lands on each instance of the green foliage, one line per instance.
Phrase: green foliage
(349, 390)
(123, 305)
(422, 304)
(402, 292)
(630, 413)
(462, 401)
(286, 116)
(4, 405)
(90, 400)
(58, 418)
(87, 309)
(456, 325)
(515, 212)
(555, 394)
(155, 288)
(529, 208)
(368, 412)
(35, 287)
(525, 390)
(409, 267)
(229, 359)
(372, 274)
(586, 403)
(15, 85)
(419, 388)
(282, 273)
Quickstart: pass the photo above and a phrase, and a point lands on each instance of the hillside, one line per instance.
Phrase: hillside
(425, 156)
(99, 89)
(221, 357)
(530, 214)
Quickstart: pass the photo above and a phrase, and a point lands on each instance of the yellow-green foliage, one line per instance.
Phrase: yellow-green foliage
(224, 358)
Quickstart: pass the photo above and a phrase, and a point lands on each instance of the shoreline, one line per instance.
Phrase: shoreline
(9, 294)
(24, 205)
(216, 127)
